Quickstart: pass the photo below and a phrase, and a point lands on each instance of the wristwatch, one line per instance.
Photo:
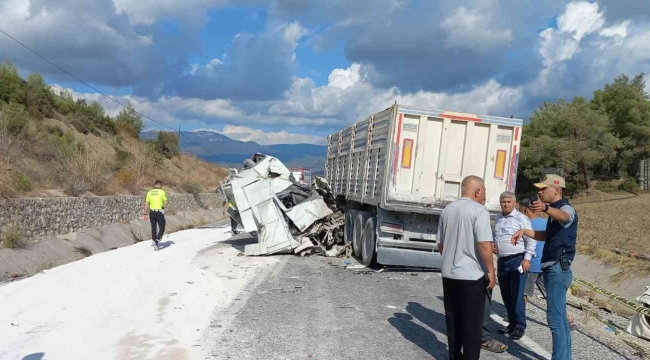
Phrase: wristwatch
(546, 207)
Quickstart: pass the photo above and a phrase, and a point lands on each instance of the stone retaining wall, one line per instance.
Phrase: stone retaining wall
(37, 218)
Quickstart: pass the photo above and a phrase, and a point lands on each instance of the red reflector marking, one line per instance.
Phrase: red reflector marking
(464, 118)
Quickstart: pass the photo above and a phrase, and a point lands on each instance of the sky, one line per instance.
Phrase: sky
(294, 71)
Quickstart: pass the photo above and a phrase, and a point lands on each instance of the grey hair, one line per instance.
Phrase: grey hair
(508, 195)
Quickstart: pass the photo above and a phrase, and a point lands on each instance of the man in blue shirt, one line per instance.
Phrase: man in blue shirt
(535, 273)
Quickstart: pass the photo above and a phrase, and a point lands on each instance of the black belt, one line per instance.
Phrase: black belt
(508, 257)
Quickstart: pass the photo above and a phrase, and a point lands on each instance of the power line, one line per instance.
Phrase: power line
(83, 82)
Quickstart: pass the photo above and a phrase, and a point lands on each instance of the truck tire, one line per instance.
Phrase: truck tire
(348, 228)
(369, 242)
(359, 225)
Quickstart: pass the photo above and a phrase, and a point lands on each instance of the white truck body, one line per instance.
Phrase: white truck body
(403, 165)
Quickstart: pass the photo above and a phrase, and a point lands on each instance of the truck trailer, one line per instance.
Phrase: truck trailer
(395, 172)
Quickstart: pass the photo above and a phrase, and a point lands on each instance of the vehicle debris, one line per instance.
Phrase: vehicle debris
(639, 325)
(285, 215)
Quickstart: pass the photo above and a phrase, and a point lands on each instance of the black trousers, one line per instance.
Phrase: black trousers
(464, 314)
(233, 226)
(157, 218)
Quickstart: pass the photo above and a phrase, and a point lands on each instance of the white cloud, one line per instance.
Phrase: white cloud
(292, 32)
(146, 12)
(344, 78)
(471, 29)
(359, 99)
(580, 18)
(616, 30)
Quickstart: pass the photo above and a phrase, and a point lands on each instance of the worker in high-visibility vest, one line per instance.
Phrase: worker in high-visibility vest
(233, 223)
(154, 207)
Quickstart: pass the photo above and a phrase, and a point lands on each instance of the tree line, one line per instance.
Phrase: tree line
(22, 100)
(599, 139)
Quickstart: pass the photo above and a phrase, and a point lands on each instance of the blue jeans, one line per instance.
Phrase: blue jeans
(512, 284)
(557, 283)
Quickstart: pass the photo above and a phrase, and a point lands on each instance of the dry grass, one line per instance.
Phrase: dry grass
(44, 266)
(629, 267)
(89, 167)
(622, 224)
(188, 168)
(89, 164)
(83, 251)
(12, 238)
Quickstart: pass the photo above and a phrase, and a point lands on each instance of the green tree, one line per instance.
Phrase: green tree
(627, 106)
(571, 136)
(12, 86)
(64, 102)
(39, 98)
(130, 120)
(167, 143)
(14, 118)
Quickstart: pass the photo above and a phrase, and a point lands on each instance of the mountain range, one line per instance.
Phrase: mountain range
(222, 150)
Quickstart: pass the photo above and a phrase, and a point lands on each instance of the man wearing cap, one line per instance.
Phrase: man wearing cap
(559, 251)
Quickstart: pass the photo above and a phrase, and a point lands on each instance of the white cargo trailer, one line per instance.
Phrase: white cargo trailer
(396, 171)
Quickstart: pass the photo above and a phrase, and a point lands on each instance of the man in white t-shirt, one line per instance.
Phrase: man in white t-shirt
(465, 242)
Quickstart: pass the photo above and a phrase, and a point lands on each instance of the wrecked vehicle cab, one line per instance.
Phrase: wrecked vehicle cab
(286, 215)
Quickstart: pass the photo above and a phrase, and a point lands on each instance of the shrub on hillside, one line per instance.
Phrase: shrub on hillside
(122, 157)
(54, 130)
(64, 102)
(11, 237)
(39, 98)
(154, 155)
(129, 121)
(630, 185)
(12, 86)
(76, 187)
(14, 118)
(23, 184)
(167, 144)
(606, 186)
(67, 145)
(191, 187)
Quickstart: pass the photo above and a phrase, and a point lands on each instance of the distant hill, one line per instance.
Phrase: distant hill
(222, 150)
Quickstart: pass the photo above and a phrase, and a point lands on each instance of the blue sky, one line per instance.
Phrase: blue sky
(291, 71)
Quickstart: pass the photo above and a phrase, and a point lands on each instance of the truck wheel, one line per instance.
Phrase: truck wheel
(369, 242)
(359, 225)
(348, 228)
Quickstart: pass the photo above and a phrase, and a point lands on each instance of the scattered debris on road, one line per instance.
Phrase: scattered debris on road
(287, 216)
(639, 325)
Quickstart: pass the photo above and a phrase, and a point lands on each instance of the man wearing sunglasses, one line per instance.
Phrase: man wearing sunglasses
(559, 251)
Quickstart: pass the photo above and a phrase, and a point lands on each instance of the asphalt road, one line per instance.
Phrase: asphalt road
(307, 308)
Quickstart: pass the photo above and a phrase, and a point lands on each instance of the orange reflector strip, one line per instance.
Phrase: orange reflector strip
(500, 164)
(407, 152)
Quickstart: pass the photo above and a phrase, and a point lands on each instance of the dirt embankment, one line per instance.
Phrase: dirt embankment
(614, 221)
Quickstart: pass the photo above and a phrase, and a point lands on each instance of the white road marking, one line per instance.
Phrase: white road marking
(525, 340)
